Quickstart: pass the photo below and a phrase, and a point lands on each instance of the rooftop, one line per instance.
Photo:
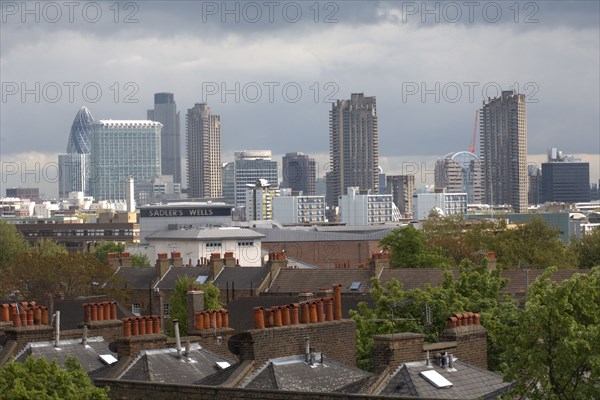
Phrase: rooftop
(312, 280)
(205, 234)
(467, 382)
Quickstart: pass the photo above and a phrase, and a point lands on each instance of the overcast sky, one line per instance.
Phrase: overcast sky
(282, 63)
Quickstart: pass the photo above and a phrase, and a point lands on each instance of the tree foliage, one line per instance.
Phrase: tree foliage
(178, 302)
(554, 349)
(103, 248)
(38, 379)
(12, 243)
(588, 249)
(397, 310)
(409, 249)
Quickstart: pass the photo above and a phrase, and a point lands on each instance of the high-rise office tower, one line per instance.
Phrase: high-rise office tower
(565, 179)
(402, 189)
(73, 167)
(204, 167)
(123, 149)
(299, 173)
(165, 112)
(534, 177)
(249, 166)
(503, 143)
(353, 146)
(460, 173)
(229, 182)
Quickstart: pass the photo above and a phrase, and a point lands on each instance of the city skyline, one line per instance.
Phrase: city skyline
(319, 59)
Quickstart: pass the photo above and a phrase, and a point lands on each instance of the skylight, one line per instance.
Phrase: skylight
(108, 359)
(223, 364)
(436, 379)
(201, 279)
(355, 285)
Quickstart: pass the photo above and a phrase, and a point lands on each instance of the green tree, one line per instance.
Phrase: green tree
(588, 249)
(103, 248)
(12, 243)
(397, 310)
(178, 302)
(140, 260)
(38, 379)
(408, 249)
(554, 350)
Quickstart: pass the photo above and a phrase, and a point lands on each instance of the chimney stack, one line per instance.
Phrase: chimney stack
(162, 264)
(216, 264)
(126, 259)
(229, 259)
(176, 260)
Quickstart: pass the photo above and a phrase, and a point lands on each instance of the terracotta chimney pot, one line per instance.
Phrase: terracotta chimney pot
(337, 302)
(135, 326)
(206, 316)
(37, 315)
(142, 325)
(225, 318)
(277, 316)
(305, 313)
(44, 315)
(476, 319)
(312, 307)
(113, 310)
(328, 308)
(156, 324)
(106, 310)
(149, 328)
(94, 308)
(285, 315)
(198, 321)
(259, 318)
(294, 314)
(16, 320)
(4, 315)
(218, 319)
(126, 327)
(23, 316)
(320, 310)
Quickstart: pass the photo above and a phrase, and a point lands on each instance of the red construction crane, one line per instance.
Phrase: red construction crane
(472, 146)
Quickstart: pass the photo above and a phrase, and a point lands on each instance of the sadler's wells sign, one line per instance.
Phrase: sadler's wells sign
(186, 212)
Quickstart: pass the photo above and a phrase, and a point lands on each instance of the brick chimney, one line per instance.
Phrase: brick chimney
(491, 259)
(470, 337)
(195, 304)
(379, 261)
(112, 259)
(229, 259)
(162, 264)
(176, 259)
(394, 349)
(216, 264)
(275, 263)
(140, 333)
(27, 322)
(126, 259)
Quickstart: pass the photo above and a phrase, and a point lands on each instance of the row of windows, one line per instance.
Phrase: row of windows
(81, 232)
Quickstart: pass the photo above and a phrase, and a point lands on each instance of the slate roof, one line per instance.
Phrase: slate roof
(241, 277)
(205, 234)
(241, 316)
(517, 284)
(88, 356)
(134, 277)
(412, 278)
(468, 382)
(294, 374)
(163, 365)
(311, 280)
(174, 273)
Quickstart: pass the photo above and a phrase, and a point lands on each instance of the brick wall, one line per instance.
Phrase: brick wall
(327, 254)
(110, 330)
(336, 339)
(27, 334)
(133, 345)
(394, 349)
(471, 343)
(214, 340)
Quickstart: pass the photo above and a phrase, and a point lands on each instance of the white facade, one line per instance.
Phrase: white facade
(441, 202)
(299, 209)
(199, 244)
(365, 209)
(259, 203)
(250, 165)
(121, 149)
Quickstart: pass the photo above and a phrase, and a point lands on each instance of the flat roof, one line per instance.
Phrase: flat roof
(205, 234)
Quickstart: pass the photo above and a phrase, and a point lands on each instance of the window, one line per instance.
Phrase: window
(245, 243)
(166, 311)
(213, 244)
(136, 309)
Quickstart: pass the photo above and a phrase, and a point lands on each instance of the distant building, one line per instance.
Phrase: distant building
(365, 209)
(402, 189)
(32, 194)
(259, 200)
(534, 177)
(439, 203)
(565, 179)
(73, 167)
(354, 146)
(228, 180)
(165, 112)
(158, 189)
(120, 149)
(299, 173)
(298, 209)
(204, 167)
(503, 143)
(460, 173)
(250, 165)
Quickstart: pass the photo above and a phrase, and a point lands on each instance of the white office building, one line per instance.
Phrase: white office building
(438, 203)
(122, 149)
(249, 166)
(366, 209)
(288, 209)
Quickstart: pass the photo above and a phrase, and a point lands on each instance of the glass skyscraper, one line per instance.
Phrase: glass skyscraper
(73, 166)
(121, 149)
(165, 112)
